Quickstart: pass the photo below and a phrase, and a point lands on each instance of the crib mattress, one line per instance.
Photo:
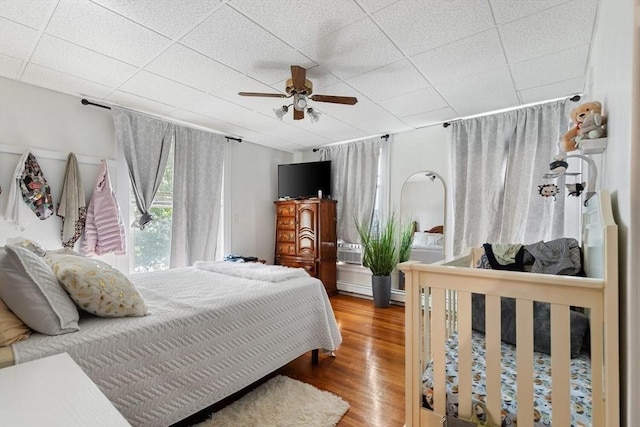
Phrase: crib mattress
(580, 385)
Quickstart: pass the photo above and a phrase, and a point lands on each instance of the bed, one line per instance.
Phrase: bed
(456, 376)
(209, 334)
(427, 247)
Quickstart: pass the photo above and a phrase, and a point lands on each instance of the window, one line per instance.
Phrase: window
(152, 246)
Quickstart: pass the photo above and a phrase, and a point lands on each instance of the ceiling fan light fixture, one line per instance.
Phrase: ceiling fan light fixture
(313, 114)
(280, 112)
(299, 102)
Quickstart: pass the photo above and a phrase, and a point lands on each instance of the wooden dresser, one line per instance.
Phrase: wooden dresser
(306, 237)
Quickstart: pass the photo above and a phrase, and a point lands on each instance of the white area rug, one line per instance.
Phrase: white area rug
(282, 402)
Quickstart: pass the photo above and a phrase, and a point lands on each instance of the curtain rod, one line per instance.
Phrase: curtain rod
(87, 102)
(385, 137)
(574, 98)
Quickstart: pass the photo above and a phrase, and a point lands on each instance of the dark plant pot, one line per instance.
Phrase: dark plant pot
(401, 280)
(381, 286)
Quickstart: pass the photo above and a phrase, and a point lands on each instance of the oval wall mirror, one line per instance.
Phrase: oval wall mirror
(422, 201)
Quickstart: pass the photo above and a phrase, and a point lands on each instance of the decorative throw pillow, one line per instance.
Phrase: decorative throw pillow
(12, 329)
(97, 287)
(27, 243)
(29, 288)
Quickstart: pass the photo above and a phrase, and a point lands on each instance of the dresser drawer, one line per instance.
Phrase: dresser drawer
(286, 210)
(286, 249)
(286, 223)
(286, 236)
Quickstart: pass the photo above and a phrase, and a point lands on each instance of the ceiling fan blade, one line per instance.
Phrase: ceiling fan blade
(267, 95)
(349, 100)
(298, 76)
(298, 114)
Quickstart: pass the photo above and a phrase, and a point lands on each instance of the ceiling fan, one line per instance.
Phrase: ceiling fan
(301, 89)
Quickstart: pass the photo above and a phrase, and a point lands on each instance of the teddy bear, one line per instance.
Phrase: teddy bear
(578, 115)
(593, 126)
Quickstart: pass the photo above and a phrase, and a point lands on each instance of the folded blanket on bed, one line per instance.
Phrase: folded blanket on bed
(252, 270)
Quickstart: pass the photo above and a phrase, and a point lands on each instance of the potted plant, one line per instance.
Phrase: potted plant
(406, 239)
(380, 255)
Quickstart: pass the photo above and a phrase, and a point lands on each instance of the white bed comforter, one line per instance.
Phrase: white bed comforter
(208, 335)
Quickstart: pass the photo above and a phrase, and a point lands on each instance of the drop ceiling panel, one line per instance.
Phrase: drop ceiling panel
(420, 25)
(421, 101)
(353, 50)
(389, 81)
(185, 65)
(300, 22)
(157, 88)
(474, 54)
(373, 5)
(32, 13)
(9, 66)
(16, 40)
(291, 133)
(473, 94)
(62, 82)
(170, 18)
(549, 31)
(238, 42)
(504, 10)
(78, 61)
(247, 84)
(553, 90)
(431, 117)
(138, 103)
(88, 24)
(203, 121)
(547, 69)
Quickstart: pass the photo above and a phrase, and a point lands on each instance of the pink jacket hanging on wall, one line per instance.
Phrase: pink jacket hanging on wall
(104, 230)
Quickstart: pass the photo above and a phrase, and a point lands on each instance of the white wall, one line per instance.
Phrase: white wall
(53, 124)
(615, 80)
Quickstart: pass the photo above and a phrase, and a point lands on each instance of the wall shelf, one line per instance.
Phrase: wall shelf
(593, 146)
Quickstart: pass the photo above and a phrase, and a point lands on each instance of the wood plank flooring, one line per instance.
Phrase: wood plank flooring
(368, 370)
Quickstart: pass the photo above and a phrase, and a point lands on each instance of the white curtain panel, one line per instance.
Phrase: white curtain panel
(197, 191)
(498, 163)
(146, 142)
(354, 174)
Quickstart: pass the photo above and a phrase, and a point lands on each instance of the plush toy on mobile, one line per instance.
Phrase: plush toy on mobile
(588, 123)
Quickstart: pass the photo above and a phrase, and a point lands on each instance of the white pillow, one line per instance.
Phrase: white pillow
(427, 240)
(97, 287)
(29, 288)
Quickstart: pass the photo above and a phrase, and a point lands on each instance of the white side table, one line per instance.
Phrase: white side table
(53, 391)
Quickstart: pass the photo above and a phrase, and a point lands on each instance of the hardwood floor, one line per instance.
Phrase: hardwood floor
(368, 370)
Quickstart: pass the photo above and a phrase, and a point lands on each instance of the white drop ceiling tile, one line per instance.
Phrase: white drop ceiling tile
(9, 66)
(189, 117)
(32, 13)
(169, 17)
(353, 50)
(300, 22)
(230, 91)
(461, 58)
(563, 65)
(90, 25)
(419, 25)
(508, 10)
(239, 43)
(157, 88)
(69, 58)
(484, 92)
(431, 117)
(331, 128)
(391, 80)
(421, 101)
(373, 5)
(138, 103)
(182, 64)
(16, 40)
(553, 90)
(547, 31)
(62, 82)
(287, 130)
(269, 141)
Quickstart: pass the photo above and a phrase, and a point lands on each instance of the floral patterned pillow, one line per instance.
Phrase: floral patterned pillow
(97, 287)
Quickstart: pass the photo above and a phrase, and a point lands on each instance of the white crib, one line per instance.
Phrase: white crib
(438, 305)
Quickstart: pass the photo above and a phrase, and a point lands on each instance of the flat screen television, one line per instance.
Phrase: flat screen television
(303, 180)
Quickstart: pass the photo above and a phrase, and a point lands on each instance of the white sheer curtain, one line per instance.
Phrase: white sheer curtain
(498, 163)
(145, 142)
(354, 174)
(197, 192)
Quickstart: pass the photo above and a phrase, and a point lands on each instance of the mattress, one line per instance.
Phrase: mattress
(580, 385)
(207, 336)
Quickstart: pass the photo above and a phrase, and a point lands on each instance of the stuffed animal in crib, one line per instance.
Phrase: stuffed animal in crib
(578, 115)
(548, 190)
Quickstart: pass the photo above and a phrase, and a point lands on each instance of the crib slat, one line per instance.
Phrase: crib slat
(597, 372)
(524, 361)
(464, 355)
(493, 356)
(560, 358)
(439, 336)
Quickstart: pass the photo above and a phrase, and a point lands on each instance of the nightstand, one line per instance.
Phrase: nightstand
(53, 391)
